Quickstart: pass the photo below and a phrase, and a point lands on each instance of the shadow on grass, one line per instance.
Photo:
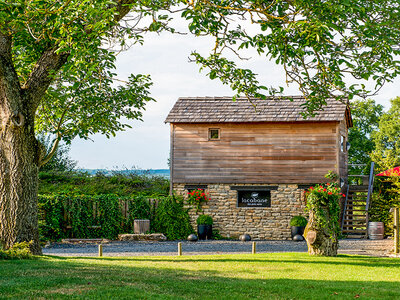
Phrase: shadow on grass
(101, 279)
(342, 259)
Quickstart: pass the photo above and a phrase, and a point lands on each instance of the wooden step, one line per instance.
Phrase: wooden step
(356, 236)
(354, 222)
(354, 225)
(358, 188)
(354, 231)
(355, 201)
(358, 194)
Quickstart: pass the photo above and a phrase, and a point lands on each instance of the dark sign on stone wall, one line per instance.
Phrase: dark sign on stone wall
(254, 198)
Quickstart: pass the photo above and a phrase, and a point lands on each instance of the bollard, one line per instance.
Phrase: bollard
(100, 250)
(253, 248)
(396, 230)
(180, 249)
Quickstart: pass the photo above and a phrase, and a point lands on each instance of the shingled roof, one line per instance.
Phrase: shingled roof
(225, 110)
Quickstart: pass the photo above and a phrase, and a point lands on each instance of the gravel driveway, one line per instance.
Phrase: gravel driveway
(116, 248)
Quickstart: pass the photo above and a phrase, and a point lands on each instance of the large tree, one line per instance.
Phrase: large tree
(365, 115)
(56, 68)
(387, 139)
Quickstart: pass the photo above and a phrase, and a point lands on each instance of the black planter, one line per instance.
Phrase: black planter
(204, 232)
(297, 230)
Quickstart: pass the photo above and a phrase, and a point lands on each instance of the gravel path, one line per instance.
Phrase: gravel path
(116, 248)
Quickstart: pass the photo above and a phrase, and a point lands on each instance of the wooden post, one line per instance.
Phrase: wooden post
(180, 249)
(100, 250)
(253, 248)
(396, 230)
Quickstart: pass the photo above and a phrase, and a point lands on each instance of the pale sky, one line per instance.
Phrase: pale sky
(165, 58)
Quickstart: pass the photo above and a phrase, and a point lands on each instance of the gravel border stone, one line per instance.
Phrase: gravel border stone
(129, 248)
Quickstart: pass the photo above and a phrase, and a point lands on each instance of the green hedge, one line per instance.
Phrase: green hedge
(67, 215)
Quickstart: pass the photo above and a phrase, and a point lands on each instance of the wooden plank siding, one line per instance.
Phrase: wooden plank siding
(270, 152)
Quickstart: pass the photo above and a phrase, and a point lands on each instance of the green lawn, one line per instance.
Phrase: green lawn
(269, 276)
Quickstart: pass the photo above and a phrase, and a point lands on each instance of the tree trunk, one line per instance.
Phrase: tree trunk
(320, 240)
(19, 159)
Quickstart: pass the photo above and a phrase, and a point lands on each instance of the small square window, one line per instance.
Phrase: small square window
(213, 134)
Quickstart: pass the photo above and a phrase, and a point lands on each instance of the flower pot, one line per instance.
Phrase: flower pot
(297, 230)
(376, 230)
(204, 232)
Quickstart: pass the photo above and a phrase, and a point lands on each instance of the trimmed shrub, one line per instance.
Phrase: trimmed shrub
(204, 220)
(298, 221)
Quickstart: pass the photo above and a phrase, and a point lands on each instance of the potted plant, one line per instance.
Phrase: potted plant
(298, 224)
(204, 227)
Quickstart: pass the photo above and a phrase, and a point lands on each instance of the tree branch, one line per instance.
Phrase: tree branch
(123, 8)
(53, 150)
(50, 63)
(43, 74)
(9, 83)
(49, 155)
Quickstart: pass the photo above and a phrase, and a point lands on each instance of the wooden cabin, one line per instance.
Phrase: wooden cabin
(255, 159)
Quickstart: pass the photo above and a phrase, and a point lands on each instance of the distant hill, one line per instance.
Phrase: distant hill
(151, 172)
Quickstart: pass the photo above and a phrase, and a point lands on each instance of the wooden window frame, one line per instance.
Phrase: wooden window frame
(209, 134)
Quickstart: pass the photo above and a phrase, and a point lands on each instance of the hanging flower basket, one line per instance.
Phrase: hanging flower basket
(196, 198)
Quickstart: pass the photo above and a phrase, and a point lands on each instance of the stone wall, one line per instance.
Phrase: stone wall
(270, 223)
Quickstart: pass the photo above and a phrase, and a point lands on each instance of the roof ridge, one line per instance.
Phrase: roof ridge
(222, 109)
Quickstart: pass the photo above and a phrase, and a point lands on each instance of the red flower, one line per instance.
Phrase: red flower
(311, 188)
(329, 193)
(324, 190)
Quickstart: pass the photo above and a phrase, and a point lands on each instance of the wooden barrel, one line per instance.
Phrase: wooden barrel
(141, 226)
(376, 230)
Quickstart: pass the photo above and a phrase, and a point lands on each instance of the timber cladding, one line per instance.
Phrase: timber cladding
(262, 152)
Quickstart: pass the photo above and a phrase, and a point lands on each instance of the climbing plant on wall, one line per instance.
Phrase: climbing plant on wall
(323, 228)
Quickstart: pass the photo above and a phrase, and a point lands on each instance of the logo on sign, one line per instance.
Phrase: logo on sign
(254, 198)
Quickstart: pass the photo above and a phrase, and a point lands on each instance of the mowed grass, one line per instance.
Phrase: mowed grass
(267, 276)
